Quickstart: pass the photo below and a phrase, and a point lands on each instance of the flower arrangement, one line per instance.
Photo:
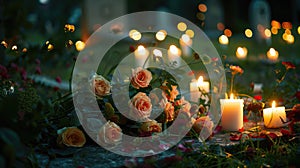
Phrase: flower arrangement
(155, 102)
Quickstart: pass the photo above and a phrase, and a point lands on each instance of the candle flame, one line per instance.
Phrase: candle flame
(173, 49)
(273, 104)
(200, 81)
(231, 96)
(185, 38)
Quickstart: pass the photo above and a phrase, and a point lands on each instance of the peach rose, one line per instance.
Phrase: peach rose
(109, 134)
(185, 105)
(71, 136)
(204, 124)
(141, 106)
(140, 78)
(100, 85)
(169, 109)
(150, 127)
(171, 94)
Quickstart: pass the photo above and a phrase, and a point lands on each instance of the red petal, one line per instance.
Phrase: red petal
(235, 137)
(241, 129)
(285, 132)
(272, 135)
(245, 119)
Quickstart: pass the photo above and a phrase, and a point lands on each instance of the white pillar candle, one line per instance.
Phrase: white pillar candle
(174, 55)
(232, 113)
(203, 85)
(194, 91)
(141, 54)
(195, 85)
(272, 116)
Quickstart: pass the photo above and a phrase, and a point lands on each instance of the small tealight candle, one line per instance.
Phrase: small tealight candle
(195, 85)
(272, 116)
(174, 54)
(241, 52)
(141, 54)
(232, 113)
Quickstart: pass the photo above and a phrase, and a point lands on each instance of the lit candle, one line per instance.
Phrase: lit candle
(141, 55)
(194, 91)
(232, 113)
(272, 54)
(272, 116)
(241, 52)
(174, 55)
(203, 85)
(195, 85)
(185, 43)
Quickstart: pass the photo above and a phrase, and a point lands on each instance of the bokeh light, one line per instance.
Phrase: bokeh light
(290, 39)
(135, 35)
(267, 33)
(287, 25)
(50, 47)
(190, 33)
(4, 44)
(69, 28)
(201, 16)
(241, 52)
(275, 24)
(228, 32)
(161, 35)
(202, 7)
(248, 33)
(80, 45)
(274, 30)
(14, 47)
(223, 40)
(181, 26)
(220, 26)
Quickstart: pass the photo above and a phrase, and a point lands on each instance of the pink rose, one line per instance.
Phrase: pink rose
(203, 124)
(109, 134)
(141, 106)
(140, 78)
(100, 85)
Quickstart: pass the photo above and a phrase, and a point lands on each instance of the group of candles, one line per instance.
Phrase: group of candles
(272, 54)
(232, 109)
(232, 114)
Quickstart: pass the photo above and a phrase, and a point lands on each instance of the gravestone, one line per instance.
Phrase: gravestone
(97, 13)
(260, 19)
(213, 15)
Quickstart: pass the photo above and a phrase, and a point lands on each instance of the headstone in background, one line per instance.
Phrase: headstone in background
(213, 16)
(260, 19)
(97, 13)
